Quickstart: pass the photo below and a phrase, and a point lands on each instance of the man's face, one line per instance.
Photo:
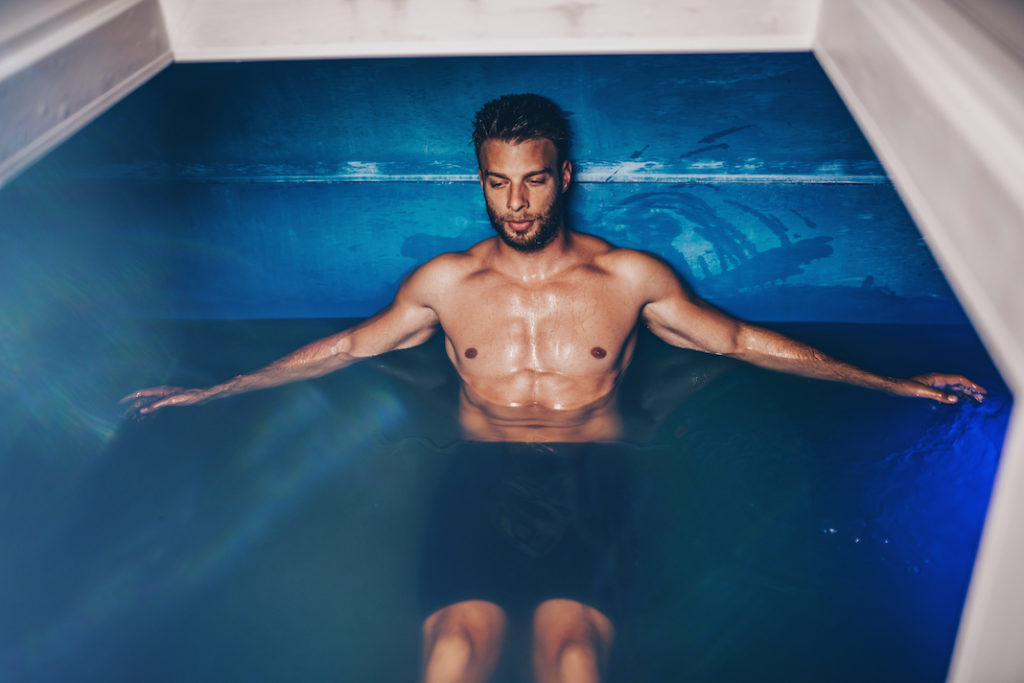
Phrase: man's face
(523, 186)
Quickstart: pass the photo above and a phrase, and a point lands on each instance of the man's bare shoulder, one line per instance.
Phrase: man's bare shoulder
(448, 264)
(445, 271)
(631, 264)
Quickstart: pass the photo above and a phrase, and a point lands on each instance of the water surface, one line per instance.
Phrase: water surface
(785, 529)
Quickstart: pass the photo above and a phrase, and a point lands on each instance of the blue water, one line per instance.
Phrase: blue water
(786, 529)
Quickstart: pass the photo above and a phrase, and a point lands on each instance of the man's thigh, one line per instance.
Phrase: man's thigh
(519, 524)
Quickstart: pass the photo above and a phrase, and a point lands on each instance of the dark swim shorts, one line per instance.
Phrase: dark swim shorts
(517, 524)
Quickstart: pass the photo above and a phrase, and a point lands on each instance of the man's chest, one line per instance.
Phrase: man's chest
(575, 325)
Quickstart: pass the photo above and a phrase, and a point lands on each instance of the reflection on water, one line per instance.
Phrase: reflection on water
(757, 527)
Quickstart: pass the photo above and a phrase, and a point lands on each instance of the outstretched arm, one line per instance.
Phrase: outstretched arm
(683, 320)
(408, 321)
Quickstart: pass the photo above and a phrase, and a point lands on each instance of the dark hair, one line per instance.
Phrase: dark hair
(515, 118)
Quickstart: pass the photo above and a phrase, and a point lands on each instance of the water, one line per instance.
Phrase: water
(785, 529)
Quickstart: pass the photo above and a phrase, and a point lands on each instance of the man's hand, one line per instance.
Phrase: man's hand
(940, 387)
(146, 401)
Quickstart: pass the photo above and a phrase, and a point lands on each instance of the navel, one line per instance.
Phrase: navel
(598, 352)
(470, 352)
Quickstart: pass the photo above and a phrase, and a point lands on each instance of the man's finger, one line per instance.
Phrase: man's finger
(156, 405)
(966, 387)
(142, 393)
(958, 381)
(954, 385)
(135, 410)
(937, 394)
(976, 387)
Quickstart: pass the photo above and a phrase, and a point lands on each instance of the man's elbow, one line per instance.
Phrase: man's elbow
(732, 341)
(342, 349)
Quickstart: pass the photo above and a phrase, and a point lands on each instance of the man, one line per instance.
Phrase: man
(540, 323)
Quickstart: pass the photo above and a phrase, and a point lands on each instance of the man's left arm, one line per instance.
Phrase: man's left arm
(683, 320)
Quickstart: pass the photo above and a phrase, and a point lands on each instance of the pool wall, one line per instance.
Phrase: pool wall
(310, 189)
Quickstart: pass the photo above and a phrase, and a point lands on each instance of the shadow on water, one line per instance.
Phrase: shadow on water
(782, 529)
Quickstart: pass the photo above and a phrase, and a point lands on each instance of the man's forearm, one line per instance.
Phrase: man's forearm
(313, 360)
(775, 351)
(384, 332)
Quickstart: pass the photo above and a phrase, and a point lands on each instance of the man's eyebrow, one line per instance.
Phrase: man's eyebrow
(531, 174)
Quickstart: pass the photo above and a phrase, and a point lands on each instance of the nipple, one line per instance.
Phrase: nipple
(598, 352)
(470, 352)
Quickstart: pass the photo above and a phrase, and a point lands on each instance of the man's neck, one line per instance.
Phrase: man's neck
(535, 266)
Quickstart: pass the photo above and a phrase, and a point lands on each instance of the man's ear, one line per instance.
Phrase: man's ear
(566, 174)
(480, 174)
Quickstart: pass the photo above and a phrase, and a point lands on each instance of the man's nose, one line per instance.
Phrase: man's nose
(517, 197)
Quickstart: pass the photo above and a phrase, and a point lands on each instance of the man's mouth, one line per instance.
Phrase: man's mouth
(519, 226)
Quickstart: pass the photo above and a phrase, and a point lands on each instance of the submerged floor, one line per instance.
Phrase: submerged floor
(785, 529)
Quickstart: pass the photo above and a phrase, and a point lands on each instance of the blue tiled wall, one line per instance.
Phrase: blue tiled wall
(308, 189)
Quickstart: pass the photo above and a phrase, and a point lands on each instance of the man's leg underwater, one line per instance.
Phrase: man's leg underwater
(571, 642)
(462, 642)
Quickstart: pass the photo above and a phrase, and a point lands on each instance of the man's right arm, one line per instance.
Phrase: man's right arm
(409, 320)
(681, 319)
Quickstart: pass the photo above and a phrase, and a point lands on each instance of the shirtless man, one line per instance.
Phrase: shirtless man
(540, 322)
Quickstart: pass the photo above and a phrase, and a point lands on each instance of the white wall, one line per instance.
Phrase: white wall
(64, 62)
(271, 29)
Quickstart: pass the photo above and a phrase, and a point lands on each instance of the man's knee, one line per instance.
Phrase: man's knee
(462, 640)
(475, 618)
(566, 629)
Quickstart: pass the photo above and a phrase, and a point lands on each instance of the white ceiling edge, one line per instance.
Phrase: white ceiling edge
(477, 48)
(302, 29)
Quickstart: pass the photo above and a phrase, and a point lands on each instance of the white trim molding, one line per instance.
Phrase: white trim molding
(201, 30)
(65, 63)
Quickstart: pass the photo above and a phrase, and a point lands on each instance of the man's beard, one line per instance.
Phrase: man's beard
(543, 230)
